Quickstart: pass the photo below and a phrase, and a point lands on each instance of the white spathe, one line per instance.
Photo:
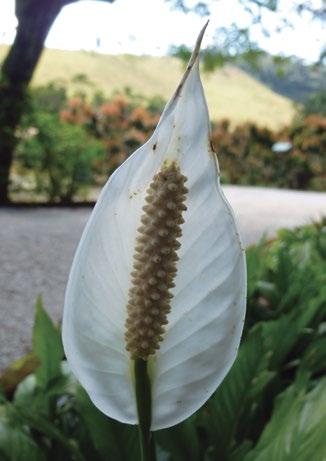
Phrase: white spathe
(208, 307)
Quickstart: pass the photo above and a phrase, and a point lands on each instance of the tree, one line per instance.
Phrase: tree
(35, 18)
(234, 42)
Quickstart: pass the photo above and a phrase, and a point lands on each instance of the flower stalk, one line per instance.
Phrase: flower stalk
(144, 409)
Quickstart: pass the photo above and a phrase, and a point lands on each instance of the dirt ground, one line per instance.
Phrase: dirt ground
(37, 247)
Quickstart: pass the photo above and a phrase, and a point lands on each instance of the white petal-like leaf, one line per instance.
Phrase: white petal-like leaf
(208, 307)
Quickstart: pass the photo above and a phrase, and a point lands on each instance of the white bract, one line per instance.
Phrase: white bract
(208, 305)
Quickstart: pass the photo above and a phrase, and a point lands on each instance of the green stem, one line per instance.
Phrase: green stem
(144, 409)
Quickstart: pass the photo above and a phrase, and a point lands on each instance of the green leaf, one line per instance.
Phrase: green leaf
(47, 346)
(181, 441)
(30, 399)
(281, 335)
(112, 440)
(297, 428)
(314, 358)
(31, 417)
(240, 389)
(25, 391)
(17, 445)
(240, 451)
(256, 265)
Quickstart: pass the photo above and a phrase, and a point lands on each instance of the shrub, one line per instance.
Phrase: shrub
(315, 104)
(121, 124)
(246, 156)
(61, 156)
(244, 153)
(308, 137)
(48, 98)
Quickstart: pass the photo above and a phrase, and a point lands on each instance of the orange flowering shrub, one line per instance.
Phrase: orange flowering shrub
(78, 112)
(121, 126)
(246, 154)
(308, 137)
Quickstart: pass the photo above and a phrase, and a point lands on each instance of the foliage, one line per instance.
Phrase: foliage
(67, 144)
(84, 142)
(61, 156)
(123, 124)
(316, 104)
(48, 98)
(267, 16)
(246, 156)
(307, 162)
(270, 407)
(245, 152)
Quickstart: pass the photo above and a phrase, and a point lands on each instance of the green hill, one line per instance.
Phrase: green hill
(290, 78)
(230, 91)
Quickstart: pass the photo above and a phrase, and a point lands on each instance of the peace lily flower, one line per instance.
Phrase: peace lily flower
(157, 286)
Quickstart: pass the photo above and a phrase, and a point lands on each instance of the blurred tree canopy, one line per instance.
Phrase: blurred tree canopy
(235, 42)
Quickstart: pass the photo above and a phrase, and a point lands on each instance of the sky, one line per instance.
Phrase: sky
(151, 27)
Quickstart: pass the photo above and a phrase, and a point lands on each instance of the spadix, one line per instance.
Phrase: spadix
(159, 273)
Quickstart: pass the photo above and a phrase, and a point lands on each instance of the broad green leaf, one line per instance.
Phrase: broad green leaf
(297, 428)
(243, 385)
(314, 358)
(281, 335)
(201, 338)
(47, 346)
(113, 441)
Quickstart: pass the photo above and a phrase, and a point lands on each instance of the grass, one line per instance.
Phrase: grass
(230, 92)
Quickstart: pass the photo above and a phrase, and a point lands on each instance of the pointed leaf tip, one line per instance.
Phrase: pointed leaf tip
(193, 59)
(199, 40)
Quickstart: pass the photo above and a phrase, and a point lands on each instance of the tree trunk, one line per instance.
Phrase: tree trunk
(35, 17)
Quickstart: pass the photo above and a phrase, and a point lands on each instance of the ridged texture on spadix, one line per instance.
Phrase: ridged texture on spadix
(208, 305)
(155, 262)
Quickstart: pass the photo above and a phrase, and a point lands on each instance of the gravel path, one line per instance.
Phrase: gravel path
(37, 246)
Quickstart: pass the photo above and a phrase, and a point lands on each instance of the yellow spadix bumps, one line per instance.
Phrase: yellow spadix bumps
(155, 262)
(159, 274)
